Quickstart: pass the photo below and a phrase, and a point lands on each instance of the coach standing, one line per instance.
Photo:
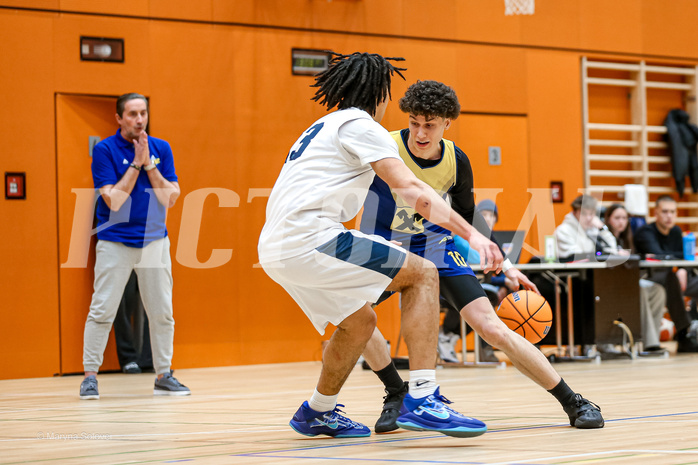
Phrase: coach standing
(136, 179)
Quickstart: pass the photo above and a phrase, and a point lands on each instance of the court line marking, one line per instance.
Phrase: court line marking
(592, 454)
(532, 461)
(388, 440)
(279, 454)
(377, 460)
(151, 435)
(382, 440)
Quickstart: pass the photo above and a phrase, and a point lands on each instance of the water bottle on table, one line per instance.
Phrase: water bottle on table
(689, 246)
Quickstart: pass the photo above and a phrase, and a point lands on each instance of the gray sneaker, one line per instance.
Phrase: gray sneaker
(88, 388)
(169, 386)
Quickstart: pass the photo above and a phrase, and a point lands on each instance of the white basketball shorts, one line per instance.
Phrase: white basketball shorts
(336, 279)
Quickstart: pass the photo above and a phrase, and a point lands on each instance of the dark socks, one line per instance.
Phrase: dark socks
(390, 377)
(563, 393)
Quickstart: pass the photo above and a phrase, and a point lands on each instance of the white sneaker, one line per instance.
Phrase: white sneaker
(606, 348)
(446, 348)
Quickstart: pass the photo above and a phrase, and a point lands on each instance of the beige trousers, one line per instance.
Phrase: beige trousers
(113, 267)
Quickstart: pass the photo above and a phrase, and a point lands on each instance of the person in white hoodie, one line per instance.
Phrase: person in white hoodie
(582, 233)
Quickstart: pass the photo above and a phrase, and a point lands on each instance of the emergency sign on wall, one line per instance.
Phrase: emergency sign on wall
(15, 186)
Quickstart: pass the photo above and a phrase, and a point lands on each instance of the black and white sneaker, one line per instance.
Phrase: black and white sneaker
(131, 368)
(391, 409)
(584, 414)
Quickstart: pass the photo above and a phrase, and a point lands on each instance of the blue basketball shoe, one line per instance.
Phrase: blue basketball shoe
(308, 422)
(432, 414)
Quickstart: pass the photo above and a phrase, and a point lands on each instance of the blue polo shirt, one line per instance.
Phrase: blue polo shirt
(141, 220)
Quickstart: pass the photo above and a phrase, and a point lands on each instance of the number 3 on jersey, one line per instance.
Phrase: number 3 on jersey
(309, 135)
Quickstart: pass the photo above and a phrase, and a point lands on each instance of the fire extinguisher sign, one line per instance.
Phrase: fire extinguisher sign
(15, 186)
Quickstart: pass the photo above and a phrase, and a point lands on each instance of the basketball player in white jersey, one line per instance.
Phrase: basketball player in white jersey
(334, 274)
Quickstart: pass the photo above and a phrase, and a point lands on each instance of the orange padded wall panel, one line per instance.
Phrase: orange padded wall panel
(668, 28)
(122, 7)
(28, 244)
(554, 115)
(218, 74)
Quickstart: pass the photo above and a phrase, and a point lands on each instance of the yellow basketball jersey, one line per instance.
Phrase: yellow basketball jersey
(441, 177)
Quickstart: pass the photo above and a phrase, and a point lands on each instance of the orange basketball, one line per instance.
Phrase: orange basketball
(527, 314)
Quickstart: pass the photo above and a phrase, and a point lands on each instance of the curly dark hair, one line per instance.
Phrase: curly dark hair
(360, 80)
(430, 99)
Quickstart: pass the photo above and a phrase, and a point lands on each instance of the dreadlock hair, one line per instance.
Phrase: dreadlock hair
(360, 80)
(430, 99)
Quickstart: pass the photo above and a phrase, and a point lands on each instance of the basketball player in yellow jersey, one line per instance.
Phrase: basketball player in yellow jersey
(431, 107)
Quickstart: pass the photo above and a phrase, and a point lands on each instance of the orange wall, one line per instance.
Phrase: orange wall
(222, 94)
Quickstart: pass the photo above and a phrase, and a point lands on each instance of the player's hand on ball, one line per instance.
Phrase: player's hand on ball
(518, 278)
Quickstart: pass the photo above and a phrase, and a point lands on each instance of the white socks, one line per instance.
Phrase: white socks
(322, 403)
(422, 383)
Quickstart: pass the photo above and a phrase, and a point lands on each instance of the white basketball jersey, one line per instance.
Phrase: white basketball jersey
(323, 182)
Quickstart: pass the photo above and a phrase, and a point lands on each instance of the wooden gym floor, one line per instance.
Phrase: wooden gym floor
(239, 415)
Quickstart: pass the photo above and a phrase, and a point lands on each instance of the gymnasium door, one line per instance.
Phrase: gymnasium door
(81, 121)
(507, 137)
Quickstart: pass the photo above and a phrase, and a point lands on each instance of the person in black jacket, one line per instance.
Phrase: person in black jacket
(682, 137)
(664, 239)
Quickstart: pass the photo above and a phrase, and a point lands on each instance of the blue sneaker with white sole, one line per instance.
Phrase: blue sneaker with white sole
(308, 422)
(432, 414)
